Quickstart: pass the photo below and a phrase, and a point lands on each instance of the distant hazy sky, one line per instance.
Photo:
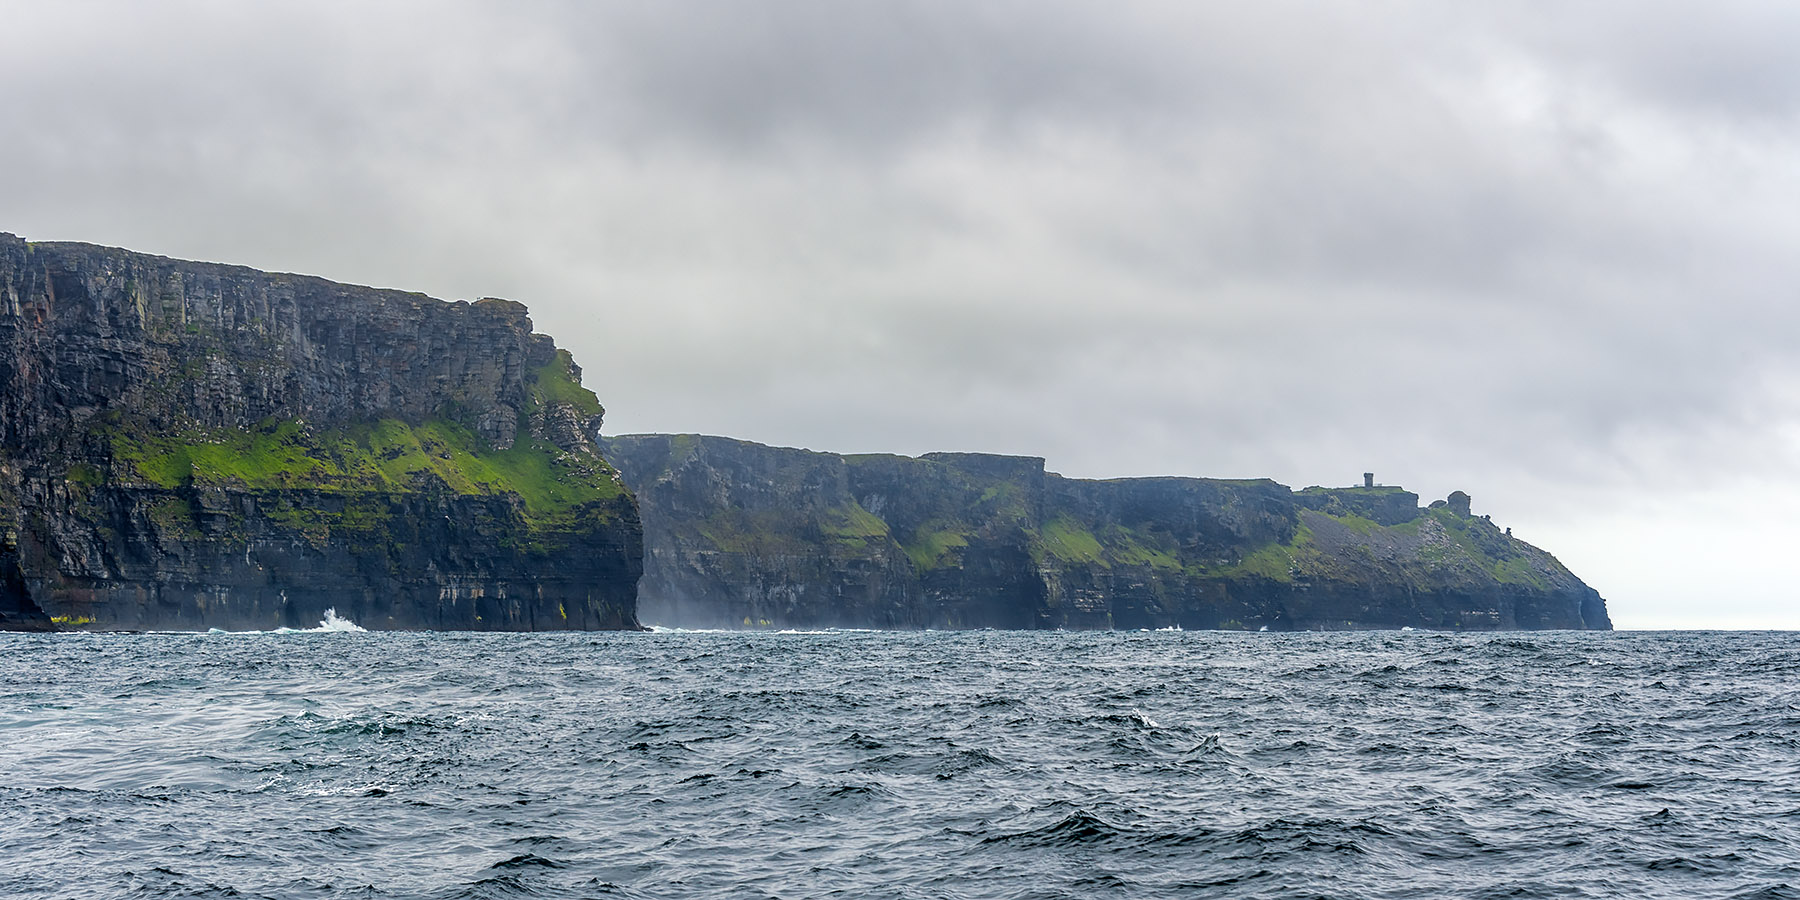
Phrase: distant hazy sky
(1547, 253)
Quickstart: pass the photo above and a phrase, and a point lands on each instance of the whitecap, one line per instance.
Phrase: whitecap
(331, 624)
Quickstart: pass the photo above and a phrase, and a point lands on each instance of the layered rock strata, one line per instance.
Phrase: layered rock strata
(741, 535)
(189, 446)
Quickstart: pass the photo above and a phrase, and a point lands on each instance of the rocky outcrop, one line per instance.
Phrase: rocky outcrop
(742, 535)
(187, 446)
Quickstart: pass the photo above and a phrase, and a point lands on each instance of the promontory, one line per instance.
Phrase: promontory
(191, 446)
(741, 535)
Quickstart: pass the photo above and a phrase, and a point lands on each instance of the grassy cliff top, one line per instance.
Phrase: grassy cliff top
(1355, 489)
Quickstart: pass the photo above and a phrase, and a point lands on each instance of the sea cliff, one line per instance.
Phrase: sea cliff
(741, 535)
(188, 446)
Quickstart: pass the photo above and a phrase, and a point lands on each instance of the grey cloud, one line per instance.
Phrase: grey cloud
(1728, 60)
(1542, 252)
(871, 76)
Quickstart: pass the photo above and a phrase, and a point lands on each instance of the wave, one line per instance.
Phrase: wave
(331, 624)
(665, 629)
(334, 623)
(442, 765)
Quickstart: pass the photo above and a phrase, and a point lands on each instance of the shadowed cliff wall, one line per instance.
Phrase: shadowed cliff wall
(743, 535)
(188, 445)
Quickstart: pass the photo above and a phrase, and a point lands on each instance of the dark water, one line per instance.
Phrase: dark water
(951, 765)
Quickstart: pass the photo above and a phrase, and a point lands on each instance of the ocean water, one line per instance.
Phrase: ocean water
(900, 765)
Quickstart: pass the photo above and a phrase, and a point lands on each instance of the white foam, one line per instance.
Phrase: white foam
(332, 623)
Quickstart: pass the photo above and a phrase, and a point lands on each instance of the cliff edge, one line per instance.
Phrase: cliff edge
(188, 446)
(740, 535)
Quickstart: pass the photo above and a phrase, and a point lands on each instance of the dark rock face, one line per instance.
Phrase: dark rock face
(17, 611)
(772, 529)
(188, 446)
(742, 535)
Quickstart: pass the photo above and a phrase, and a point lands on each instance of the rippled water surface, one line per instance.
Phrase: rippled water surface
(985, 764)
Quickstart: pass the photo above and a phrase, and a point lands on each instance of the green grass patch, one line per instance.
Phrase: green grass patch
(1065, 539)
(274, 455)
(851, 524)
(1137, 554)
(388, 456)
(934, 549)
(1131, 547)
(554, 383)
(1518, 570)
(1005, 500)
(1272, 561)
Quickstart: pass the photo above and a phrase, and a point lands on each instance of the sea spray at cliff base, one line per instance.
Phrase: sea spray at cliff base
(331, 624)
(901, 765)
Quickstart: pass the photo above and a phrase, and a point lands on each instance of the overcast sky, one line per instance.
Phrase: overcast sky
(1546, 253)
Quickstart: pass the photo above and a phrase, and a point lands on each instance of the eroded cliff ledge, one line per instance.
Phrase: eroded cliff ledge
(188, 446)
(743, 535)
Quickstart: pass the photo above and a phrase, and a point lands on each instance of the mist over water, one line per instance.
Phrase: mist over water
(908, 765)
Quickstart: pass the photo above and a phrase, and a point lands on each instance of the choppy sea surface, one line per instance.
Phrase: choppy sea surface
(903, 765)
